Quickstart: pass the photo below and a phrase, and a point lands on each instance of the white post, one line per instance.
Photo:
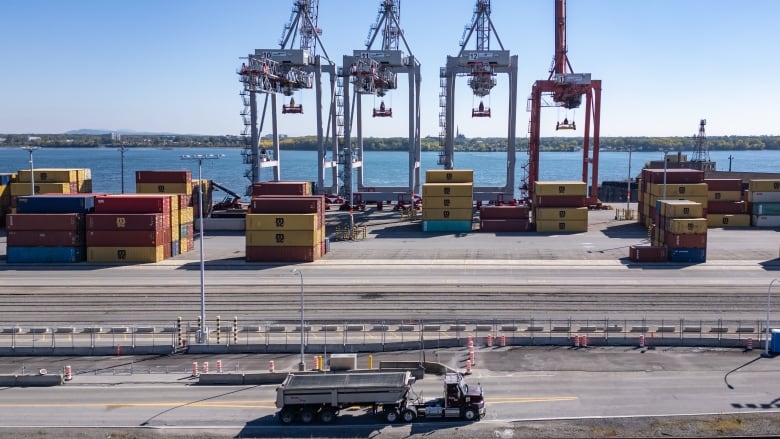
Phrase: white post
(302, 364)
(30, 149)
(768, 305)
(203, 333)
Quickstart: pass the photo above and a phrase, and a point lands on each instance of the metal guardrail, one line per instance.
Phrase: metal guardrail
(355, 335)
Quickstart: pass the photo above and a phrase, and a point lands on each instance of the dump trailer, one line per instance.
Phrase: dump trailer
(308, 397)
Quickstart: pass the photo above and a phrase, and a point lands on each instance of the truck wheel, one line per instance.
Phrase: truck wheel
(286, 416)
(307, 415)
(391, 415)
(327, 416)
(408, 415)
(470, 414)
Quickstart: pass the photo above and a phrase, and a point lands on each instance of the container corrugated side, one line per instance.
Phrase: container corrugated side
(434, 202)
(673, 176)
(46, 238)
(726, 207)
(504, 212)
(765, 220)
(763, 197)
(129, 203)
(724, 184)
(715, 220)
(562, 226)
(287, 238)
(768, 209)
(134, 238)
(282, 254)
(281, 188)
(764, 185)
(449, 176)
(679, 190)
(73, 222)
(49, 175)
(561, 213)
(126, 254)
(164, 176)
(504, 225)
(693, 240)
(448, 190)
(163, 188)
(280, 221)
(20, 189)
(724, 195)
(274, 204)
(446, 226)
(447, 214)
(546, 188)
(692, 255)
(559, 201)
(22, 254)
(127, 221)
(686, 225)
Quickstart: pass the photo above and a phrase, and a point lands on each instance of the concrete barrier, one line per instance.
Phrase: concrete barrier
(222, 379)
(39, 380)
(7, 380)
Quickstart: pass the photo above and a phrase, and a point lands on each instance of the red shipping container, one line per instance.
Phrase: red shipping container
(279, 204)
(163, 176)
(723, 184)
(282, 254)
(505, 225)
(128, 203)
(72, 222)
(672, 240)
(128, 238)
(49, 238)
(726, 206)
(132, 221)
(673, 176)
(281, 188)
(647, 253)
(503, 212)
(560, 201)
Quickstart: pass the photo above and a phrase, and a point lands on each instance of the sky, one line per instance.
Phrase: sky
(170, 65)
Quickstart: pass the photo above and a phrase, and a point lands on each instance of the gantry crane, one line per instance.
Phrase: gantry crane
(481, 66)
(566, 89)
(374, 72)
(285, 71)
(701, 152)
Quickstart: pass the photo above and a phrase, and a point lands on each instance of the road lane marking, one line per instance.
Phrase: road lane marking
(529, 399)
(113, 405)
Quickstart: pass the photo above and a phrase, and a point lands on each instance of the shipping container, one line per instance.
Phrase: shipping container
(686, 225)
(504, 212)
(674, 240)
(679, 190)
(647, 253)
(505, 225)
(282, 254)
(724, 184)
(561, 213)
(575, 188)
(164, 176)
(45, 238)
(449, 176)
(563, 226)
(19, 189)
(768, 209)
(446, 226)
(49, 175)
(448, 190)
(73, 222)
(130, 238)
(679, 209)
(434, 202)
(272, 204)
(290, 221)
(163, 188)
(295, 238)
(32, 255)
(447, 214)
(728, 220)
(765, 221)
(726, 207)
(281, 188)
(186, 215)
(127, 221)
(133, 203)
(126, 254)
(6, 178)
(726, 196)
(560, 201)
(763, 197)
(692, 255)
(767, 185)
(672, 176)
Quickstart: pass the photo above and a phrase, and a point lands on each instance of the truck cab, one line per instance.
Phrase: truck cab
(460, 400)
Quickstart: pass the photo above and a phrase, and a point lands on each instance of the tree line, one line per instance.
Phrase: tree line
(309, 143)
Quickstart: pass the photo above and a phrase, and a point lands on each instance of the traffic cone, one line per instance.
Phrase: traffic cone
(205, 367)
(641, 341)
(195, 371)
(219, 366)
(489, 340)
(584, 340)
(68, 373)
(749, 344)
(575, 340)
(503, 340)
(271, 366)
(468, 367)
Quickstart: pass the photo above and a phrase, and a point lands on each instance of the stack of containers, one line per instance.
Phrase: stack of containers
(504, 219)
(5, 195)
(651, 190)
(53, 181)
(682, 229)
(725, 207)
(178, 184)
(448, 199)
(48, 228)
(207, 197)
(131, 228)
(764, 199)
(560, 206)
(285, 223)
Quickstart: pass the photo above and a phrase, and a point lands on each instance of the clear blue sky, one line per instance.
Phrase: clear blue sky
(169, 65)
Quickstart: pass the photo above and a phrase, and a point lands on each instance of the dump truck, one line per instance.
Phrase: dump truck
(306, 398)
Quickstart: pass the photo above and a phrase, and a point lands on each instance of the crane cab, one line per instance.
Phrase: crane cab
(293, 108)
(382, 111)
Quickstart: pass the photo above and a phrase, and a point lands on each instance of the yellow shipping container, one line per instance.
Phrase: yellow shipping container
(681, 209)
(448, 202)
(183, 248)
(286, 238)
(577, 188)
(125, 254)
(448, 189)
(687, 226)
(18, 189)
(679, 190)
(449, 176)
(568, 226)
(764, 185)
(561, 213)
(725, 196)
(163, 188)
(186, 215)
(282, 221)
(49, 175)
(728, 220)
(447, 214)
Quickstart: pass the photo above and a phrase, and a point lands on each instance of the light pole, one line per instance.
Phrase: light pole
(30, 149)
(768, 304)
(203, 332)
(122, 165)
(302, 364)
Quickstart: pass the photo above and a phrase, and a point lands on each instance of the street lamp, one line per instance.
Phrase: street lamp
(203, 332)
(122, 150)
(768, 304)
(302, 364)
(30, 149)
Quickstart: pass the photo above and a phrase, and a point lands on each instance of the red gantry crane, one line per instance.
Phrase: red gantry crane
(566, 89)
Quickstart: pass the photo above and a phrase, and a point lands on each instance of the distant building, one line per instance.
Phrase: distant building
(33, 139)
(2, 139)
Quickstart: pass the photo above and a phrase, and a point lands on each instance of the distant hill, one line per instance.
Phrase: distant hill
(94, 132)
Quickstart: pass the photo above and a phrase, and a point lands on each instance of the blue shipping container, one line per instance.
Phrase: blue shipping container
(768, 209)
(22, 254)
(450, 226)
(688, 255)
(175, 248)
(56, 204)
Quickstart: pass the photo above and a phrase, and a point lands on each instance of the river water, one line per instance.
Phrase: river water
(385, 168)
